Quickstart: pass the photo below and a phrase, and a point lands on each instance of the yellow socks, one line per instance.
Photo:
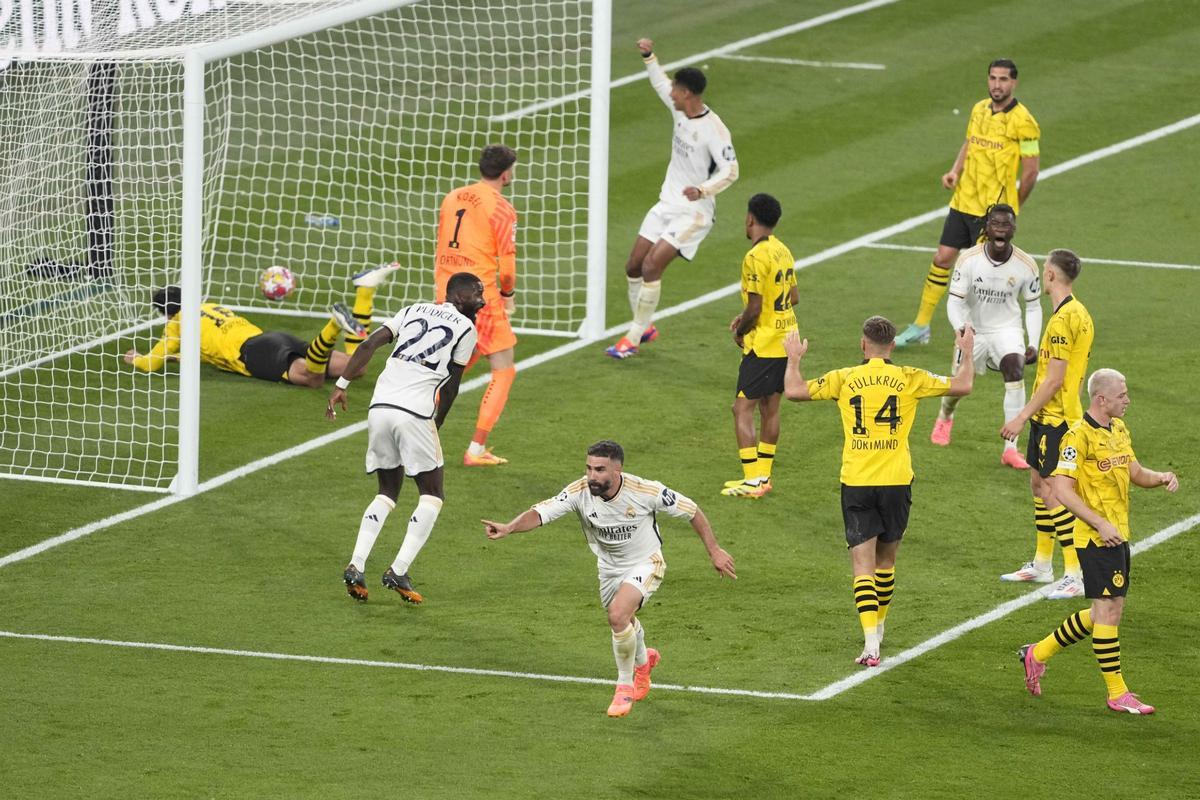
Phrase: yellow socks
(935, 287)
(1074, 628)
(885, 584)
(766, 459)
(364, 304)
(316, 358)
(1045, 534)
(749, 457)
(1064, 529)
(867, 602)
(1107, 648)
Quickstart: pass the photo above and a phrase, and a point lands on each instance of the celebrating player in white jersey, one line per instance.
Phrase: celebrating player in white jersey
(984, 291)
(703, 164)
(617, 512)
(412, 397)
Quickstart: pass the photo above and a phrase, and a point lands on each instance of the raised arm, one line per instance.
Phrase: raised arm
(658, 76)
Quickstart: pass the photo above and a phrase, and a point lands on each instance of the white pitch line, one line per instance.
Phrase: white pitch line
(1086, 259)
(716, 294)
(825, 693)
(732, 47)
(799, 62)
(999, 612)
(359, 662)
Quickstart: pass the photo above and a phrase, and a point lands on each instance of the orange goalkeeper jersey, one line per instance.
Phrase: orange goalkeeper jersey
(477, 232)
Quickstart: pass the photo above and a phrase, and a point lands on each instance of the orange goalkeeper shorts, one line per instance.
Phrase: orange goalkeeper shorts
(495, 333)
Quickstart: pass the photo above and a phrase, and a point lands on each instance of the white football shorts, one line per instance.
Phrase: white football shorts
(679, 226)
(991, 347)
(396, 438)
(646, 577)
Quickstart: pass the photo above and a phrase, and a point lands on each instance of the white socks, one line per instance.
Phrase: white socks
(368, 530)
(419, 528)
(1014, 401)
(640, 657)
(635, 288)
(643, 315)
(624, 648)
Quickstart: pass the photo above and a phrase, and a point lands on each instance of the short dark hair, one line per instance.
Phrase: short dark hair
(496, 159)
(1067, 263)
(691, 79)
(879, 330)
(461, 281)
(607, 448)
(999, 208)
(1004, 62)
(167, 301)
(765, 209)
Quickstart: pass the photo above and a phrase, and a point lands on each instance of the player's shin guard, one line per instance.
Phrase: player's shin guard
(1045, 535)
(885, 585)
(866, 600)
(494, 398)
(369, 528)
(935, 287)
(766, 459)
(1014, 401)
(1107, 647)
(316, 358)
(635, 289)
(420, 525)
(643, 315)
(364, 305)
(624, 650)
(1074, 629)
(1064, 529)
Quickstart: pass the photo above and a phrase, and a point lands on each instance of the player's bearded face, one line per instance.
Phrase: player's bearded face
(602, 474)
(1000, 84)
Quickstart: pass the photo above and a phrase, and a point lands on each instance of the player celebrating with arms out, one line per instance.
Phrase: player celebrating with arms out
(412, 397)
(878, 401)
(1002, 136)
(1096, 465)
(617, 512)
(703, 164)
(477, 233)
(769, 295)
(987, 281)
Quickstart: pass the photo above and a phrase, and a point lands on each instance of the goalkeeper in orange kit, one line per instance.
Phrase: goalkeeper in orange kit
(477, 233)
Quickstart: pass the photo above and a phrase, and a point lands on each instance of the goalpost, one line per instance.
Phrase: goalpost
(196, 142)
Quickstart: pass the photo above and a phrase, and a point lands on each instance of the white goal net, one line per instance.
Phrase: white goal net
(331, 130)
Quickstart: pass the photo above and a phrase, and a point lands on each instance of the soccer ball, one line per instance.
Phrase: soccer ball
(276, 283)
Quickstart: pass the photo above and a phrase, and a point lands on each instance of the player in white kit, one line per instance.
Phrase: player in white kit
(617, 512)
(412, 397)
(703, 164)
(988, 283)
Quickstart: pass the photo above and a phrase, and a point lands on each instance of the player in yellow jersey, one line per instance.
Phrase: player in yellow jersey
(1002, 137)
(1092, 477)
(878, 401)
(235, 344)
(1054, 406)
(769, 295)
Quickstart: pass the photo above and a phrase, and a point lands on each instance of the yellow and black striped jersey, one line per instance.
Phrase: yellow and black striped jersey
(769, 270)
(1068, 336)
(878, 401)
(222, 334)
(996, 143)
(1098, 458)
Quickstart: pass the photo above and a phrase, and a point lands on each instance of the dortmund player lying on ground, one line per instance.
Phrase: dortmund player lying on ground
(235, 344)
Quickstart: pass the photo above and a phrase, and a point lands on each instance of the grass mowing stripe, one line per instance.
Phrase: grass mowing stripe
(911, 248)
(716, 294)
(359, 662)
(732, 47)
(999, 612)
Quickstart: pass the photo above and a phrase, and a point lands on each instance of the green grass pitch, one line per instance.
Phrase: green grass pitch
(255, 565)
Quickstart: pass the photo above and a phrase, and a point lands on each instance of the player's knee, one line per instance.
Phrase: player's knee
(1012, 367)
(633, 268)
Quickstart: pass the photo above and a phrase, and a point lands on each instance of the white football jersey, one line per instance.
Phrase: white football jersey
(622, 532)
(701, 152)
(991, 290)
(426, 337)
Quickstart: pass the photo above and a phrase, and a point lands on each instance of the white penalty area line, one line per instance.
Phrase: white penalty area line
(999, 612)
(825, 693)
(800, 62)
(562, 350)
(732, 47)
(1086, 259)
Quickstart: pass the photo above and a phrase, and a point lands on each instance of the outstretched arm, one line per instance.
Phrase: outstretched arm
(525, 521)
(1148, 478)
(722, 562)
